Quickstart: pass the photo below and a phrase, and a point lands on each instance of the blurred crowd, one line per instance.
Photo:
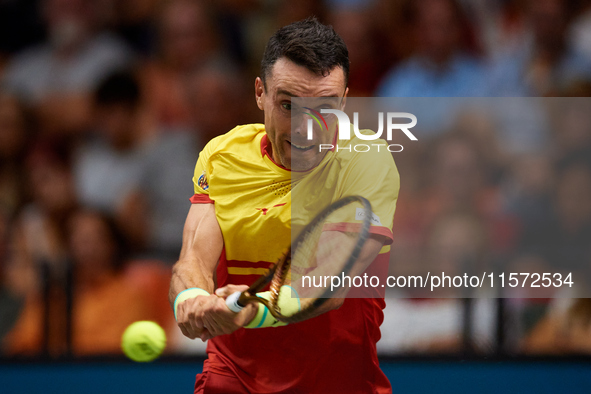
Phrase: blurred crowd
(105, 105)
(472, 202)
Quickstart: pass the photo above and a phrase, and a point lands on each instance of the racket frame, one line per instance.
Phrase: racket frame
(278, 273)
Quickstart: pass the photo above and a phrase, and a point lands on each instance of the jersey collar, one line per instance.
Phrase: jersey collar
(266, 151)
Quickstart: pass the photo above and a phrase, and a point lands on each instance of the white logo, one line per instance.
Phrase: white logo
(345, 128)
(360, 215)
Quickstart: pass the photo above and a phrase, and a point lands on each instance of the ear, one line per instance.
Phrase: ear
(344, 100)
(259, 92)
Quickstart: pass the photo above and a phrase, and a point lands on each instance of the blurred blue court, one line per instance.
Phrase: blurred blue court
(407, 376)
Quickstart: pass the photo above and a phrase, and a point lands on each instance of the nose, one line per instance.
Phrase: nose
(299, 125)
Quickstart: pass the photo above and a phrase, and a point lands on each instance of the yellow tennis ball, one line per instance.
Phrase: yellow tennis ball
(143, 341)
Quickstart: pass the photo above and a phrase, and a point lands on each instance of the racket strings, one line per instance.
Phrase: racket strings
(328, 246)
(323, 252)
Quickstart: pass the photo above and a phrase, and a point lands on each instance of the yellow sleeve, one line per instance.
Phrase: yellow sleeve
(203, 171)
(374, 175)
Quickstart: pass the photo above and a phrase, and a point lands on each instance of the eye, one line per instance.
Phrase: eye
(286, 106)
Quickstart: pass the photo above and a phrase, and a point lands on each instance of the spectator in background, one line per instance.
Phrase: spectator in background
(562, 241)
(39, 237)
(163, 190)
(499, 24)
(187, 41)
(106, 300)
(478, 124)
(571, 129)
(449, 175)
(441, 65)
(457, 243)
(565, 329)
(354, 25)
(578, 327)
(58, 76)
(109, 166)
(211, 94)
(291, 11)
(135, 169)
(557, 241)
(546, 63)
(10, 302)
(580, 31)
(38, 258)
(260, 25)
(528, 186)
(133, 20)
(459, 180)
(527, 190)
(14, 134)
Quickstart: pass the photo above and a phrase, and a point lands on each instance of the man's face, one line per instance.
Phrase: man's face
(293, 150)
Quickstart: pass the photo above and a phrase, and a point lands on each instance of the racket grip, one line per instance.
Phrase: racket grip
(232, 302)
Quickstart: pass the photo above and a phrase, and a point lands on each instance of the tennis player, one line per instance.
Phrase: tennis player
(240, 223)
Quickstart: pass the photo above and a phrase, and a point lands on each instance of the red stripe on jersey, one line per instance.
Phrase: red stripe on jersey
(243, 280)
(236, 279)
(201, 199)
(221, 273)
(249, 264)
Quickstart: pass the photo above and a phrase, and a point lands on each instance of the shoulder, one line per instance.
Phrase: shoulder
(369, 153)
(366, 168)
(244, 133)
(379, 151)
(243, 138)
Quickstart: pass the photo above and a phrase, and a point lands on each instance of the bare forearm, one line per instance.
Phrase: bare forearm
(202, 247)
(186, 274)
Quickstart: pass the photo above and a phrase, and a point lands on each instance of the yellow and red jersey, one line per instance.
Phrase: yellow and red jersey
(254, 198)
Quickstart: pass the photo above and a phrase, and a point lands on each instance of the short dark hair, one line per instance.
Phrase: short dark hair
(307, 43)
(119, 88)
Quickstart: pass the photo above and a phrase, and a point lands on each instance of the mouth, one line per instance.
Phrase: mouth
(300, 148)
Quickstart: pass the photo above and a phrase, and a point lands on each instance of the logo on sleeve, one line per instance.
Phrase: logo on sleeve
(202, 182)
(360, 214)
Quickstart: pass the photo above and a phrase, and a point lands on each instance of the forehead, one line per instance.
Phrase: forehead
(288, 78)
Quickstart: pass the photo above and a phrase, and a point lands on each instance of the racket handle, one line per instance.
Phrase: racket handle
(232, 302)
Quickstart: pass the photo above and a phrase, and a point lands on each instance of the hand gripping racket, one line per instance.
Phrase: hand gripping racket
(329, 245)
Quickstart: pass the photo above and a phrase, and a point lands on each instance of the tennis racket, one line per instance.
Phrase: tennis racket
(328, 245)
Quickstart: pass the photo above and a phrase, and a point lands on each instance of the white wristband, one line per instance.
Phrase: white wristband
(186, 294)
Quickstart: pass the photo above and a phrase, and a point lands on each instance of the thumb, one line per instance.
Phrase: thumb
(247, 314)
(229, 289)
